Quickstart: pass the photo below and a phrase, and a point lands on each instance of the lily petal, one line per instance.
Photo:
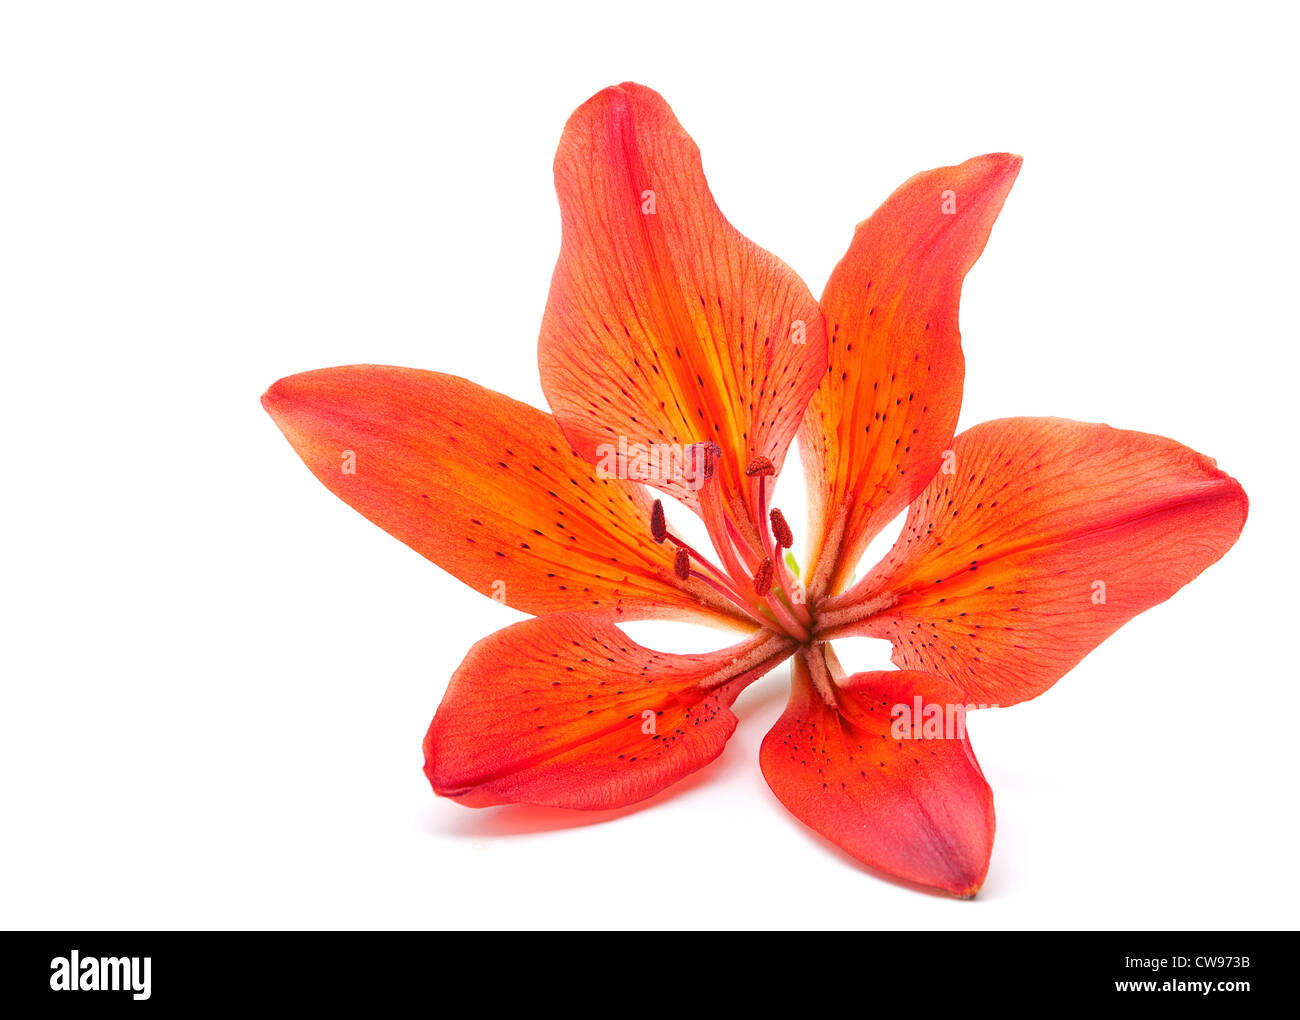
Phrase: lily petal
(665, 325)
(486, 488)
(919, 809)
(1048, 536)
(568, 711)
(876, 429)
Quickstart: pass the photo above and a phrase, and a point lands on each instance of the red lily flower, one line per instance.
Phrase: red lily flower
(676, 353)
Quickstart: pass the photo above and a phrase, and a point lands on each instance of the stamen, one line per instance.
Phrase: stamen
(712, 454)
(727, 593)
(780, 529)
(774, 540)
(752, 576)
(703, 561)
(658, 524)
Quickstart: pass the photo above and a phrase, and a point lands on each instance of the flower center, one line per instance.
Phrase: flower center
(753, 575)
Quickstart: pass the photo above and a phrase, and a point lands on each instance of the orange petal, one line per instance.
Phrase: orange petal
(876, 429)
(1048, 536)
(568, 711)
(899, 795)
(486, 488)
(665, 326)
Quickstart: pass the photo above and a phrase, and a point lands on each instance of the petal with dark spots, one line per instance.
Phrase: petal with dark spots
(1047, 536)
(665, 326)
(876, 429)
(568, 711)
(488, 489)
(913, 806)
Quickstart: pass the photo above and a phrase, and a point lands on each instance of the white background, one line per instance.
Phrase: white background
(217, 676)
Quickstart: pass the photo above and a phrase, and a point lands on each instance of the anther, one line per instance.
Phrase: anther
(759, 466)
(763, 579)
(780, 529)
(658, 526)
(682, 564)
(711, 455)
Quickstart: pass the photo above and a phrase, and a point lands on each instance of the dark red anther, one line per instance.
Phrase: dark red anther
(759, 466)
(763, 579)
(780, 529)
(658, 526)
(712, 454)
(682, 564)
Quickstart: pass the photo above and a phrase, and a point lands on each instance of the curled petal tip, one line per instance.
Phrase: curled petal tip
(970, 891)
(273, 398)
(1004, 162)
